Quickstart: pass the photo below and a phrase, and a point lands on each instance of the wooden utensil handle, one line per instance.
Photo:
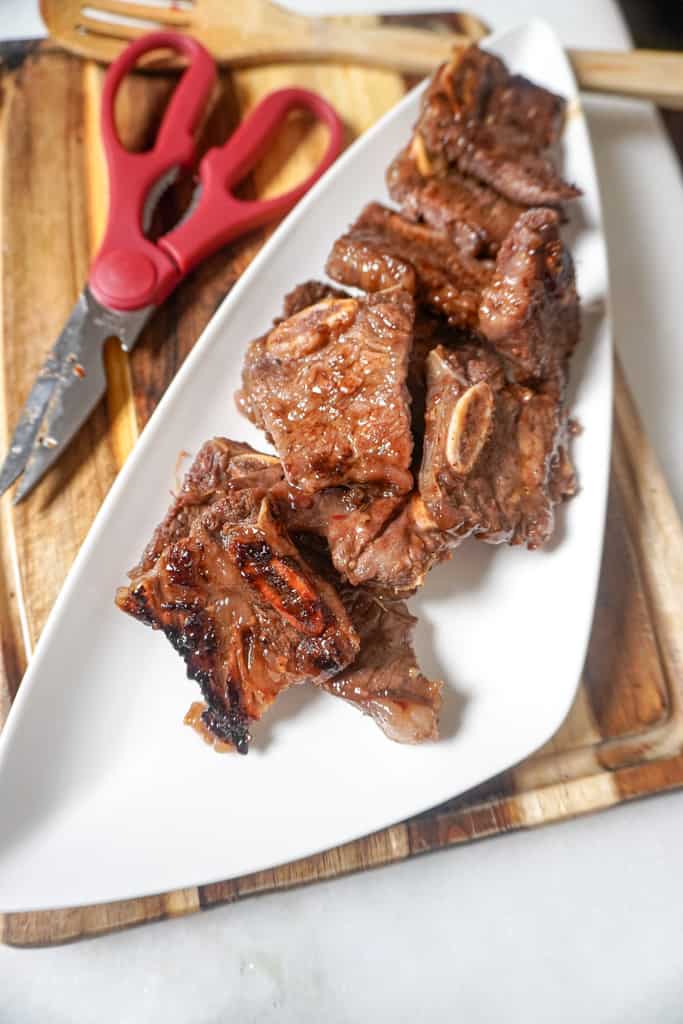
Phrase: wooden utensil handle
(642, 74)
(408, 50)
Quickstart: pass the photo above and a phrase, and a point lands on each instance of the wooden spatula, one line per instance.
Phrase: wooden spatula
(250, 32)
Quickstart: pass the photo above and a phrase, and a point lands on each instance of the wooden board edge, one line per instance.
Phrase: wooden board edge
(655, 529)
(554, 801)
(13, 633)
(550, 805)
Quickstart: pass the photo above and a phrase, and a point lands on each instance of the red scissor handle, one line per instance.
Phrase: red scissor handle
(220, 216)
(128, 269)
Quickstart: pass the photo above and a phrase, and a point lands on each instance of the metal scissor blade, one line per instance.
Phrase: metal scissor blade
(25, 434)
(32, 415)
(76, 383)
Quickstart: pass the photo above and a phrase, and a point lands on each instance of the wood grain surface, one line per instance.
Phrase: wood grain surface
(246, 33)
(624, 735)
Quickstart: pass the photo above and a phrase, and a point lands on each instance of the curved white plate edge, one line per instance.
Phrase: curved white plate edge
(209, 334)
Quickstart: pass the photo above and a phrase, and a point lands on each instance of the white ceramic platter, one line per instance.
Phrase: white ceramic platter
(104, 795)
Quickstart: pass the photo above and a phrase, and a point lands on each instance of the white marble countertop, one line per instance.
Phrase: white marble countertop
(579, 921)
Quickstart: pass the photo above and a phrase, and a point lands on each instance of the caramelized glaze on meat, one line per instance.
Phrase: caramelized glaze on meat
(495, 460)
(235, 598)
(473, 215)
(383, 249)
(396, 561)
(349, 518)
(530, 309)
(328, 385)
(220, 466)
(386, 542)
(495, 127)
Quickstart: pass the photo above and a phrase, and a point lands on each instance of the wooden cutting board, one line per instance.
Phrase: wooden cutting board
(624, 735)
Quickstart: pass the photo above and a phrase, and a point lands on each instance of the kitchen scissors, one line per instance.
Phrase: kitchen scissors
(131, 275)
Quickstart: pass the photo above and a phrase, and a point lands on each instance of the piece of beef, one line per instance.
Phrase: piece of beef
(385, 681)
(382, 249)
(308, 294)
(428, 332)
(351, 518)
(529, 116)
(220, 466)
(386, 541)
(227, 586)
(396, 561)
(530, 308)
(475, 216)
(494, 461)
(348, 518)
(495, 127)
(329, 386)
(374, 534)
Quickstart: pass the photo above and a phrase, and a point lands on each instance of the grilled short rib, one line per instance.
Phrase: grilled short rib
(479, 153)
(348, 518)
(495, 127)
(377, 533)
(473, 215)
(428, 332)
(382, 249)
(530, 310)
(225, 583)
(220, 466)
(495, 460)
(253, 612)
(397, 559)
(385, 542)
(328, 385)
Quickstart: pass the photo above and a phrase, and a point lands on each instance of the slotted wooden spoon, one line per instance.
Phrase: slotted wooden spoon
(243, 33)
